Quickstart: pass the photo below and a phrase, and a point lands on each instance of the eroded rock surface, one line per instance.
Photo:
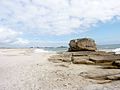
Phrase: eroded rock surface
(106, 74)
(83, 51)
(85, 44)
(106, 65)
(88, 57)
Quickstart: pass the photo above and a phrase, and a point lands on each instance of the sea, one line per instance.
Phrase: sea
(108, 48)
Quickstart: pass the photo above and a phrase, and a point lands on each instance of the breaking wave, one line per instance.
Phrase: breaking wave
(42, 51)
(117, 50)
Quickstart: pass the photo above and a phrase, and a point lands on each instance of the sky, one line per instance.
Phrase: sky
(56, 22)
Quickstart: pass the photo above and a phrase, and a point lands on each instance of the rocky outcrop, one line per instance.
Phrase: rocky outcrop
(107, 64)
(83, 51)
(84, 44)
(102, 74)
(88, 57)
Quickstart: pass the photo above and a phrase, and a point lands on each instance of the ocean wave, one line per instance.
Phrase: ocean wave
(106, 50)
(42, 51)
(117, 51)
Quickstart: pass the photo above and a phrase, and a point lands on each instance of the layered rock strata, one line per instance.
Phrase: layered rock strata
(84, 51)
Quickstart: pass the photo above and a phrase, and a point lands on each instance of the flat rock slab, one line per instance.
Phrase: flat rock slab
(88, 57)
(102, 74)
(61, 57)
(82, 60)
(87, 53)
(102, 59)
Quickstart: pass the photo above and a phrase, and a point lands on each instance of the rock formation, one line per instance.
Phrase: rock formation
(83, 51)
(84, 44)
(86, 54)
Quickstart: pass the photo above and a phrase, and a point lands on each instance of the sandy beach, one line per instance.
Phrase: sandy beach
(24, 69)
(59, 44)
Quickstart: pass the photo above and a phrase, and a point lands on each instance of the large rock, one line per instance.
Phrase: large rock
(84, 44)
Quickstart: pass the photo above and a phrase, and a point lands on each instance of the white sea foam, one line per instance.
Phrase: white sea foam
(42, 51)
(117, 50)
(106, 50)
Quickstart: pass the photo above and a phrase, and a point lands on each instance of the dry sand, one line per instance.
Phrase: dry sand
(22, 69)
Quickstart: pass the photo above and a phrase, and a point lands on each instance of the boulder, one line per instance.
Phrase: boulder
(84, 44)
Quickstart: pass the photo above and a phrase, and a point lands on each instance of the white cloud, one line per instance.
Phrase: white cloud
(8, 35)
(57, 17)
(11, 37)
(21, 42)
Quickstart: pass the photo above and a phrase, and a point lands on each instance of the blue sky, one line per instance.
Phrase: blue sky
(55, 22)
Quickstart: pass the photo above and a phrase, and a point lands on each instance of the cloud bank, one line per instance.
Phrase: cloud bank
(56, 17)
(10, 37)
